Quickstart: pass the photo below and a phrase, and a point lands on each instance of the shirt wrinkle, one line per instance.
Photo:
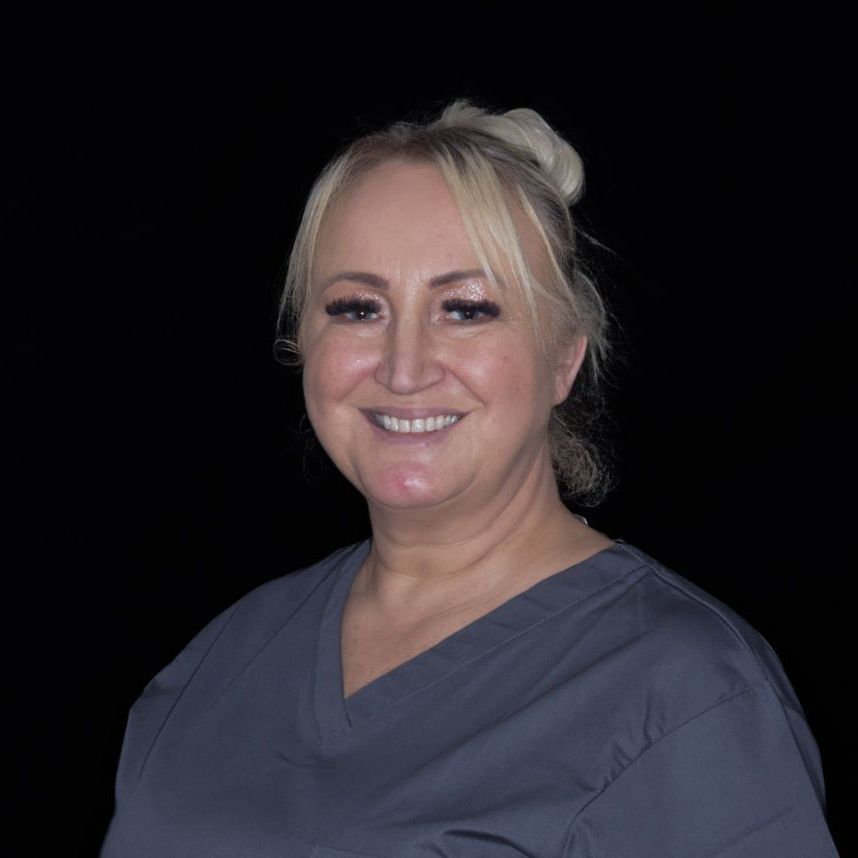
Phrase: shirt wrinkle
(660, 739)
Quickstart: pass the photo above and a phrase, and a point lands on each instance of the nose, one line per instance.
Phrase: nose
(409, 359)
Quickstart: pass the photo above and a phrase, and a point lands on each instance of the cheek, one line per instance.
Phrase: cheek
(332, 369)
(501, 373)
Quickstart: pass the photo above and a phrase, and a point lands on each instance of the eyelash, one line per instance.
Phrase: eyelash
(341, 306)
(456, 305)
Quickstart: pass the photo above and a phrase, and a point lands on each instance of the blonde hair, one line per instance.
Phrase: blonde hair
(487, 160)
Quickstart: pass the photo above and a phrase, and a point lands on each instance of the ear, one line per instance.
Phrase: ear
(567, 367)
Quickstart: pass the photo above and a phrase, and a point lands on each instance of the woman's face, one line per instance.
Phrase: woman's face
(394, 334)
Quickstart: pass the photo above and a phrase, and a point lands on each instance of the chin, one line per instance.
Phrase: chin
(406, 487)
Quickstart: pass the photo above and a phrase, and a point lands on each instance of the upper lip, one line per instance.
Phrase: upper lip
(415, 413)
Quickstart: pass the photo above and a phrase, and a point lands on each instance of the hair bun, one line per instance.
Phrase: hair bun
(526, 128)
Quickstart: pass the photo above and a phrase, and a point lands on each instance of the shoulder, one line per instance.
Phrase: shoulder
(256, 616)
(250, 619)
(709, 748)
(214, 654)
(697, 643)
(272, 601)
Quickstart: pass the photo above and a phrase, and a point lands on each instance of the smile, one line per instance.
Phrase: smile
(414, 426)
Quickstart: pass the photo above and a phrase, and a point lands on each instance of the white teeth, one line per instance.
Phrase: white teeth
(418, 424)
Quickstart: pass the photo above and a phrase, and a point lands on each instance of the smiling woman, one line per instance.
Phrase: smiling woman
(427, 334)
(506, 196)
(485, 674)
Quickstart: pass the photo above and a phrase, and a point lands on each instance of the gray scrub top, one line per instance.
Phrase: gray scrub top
(613, 709)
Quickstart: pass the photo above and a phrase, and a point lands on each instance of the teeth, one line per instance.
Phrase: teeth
(418, 424)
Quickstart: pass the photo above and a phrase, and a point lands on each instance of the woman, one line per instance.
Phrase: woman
(486, 675)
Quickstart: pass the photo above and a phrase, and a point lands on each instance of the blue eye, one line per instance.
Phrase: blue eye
(469, 309)
(355, 309)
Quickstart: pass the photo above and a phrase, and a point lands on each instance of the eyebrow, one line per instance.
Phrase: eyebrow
(377, 282)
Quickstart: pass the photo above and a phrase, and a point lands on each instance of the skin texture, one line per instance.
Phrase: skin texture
(461, 522)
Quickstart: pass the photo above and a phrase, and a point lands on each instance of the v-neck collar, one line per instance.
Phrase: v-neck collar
(337, 716)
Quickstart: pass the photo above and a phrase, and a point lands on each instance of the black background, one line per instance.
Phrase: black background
(156, 466)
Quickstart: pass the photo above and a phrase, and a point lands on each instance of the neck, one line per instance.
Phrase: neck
(474, 546)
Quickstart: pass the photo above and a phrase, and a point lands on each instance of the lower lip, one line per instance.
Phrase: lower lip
(421, 438)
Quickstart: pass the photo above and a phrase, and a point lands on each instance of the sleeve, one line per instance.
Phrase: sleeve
(150, 711)
(731, 782)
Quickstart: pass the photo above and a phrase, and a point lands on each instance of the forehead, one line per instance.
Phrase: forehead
(395, 210)
(403, 216)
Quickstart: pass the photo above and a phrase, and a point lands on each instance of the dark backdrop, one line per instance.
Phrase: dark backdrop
(156, 467)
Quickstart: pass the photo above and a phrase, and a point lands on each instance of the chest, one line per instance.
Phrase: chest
(431, 763)
(371, 648)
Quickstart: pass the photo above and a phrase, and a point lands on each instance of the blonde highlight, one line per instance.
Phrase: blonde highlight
(492, 161)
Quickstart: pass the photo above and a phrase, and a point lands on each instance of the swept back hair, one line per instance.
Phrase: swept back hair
(490, 160)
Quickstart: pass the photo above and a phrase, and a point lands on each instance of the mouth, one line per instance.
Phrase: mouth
(415, 425)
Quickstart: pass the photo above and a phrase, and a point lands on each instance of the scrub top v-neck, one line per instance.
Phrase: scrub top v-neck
(339, 717)
(611, 710)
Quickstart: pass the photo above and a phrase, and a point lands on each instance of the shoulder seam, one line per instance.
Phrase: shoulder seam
(670, 732)
(659, 569)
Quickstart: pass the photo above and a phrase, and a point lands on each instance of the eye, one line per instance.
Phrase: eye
(355, 309)
(471, 309)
